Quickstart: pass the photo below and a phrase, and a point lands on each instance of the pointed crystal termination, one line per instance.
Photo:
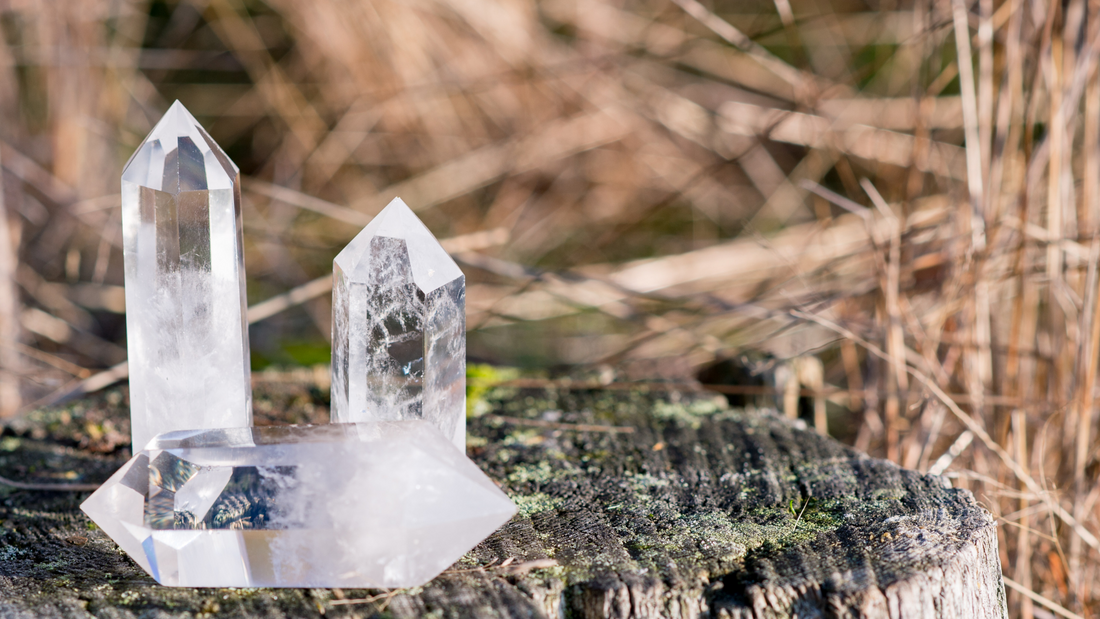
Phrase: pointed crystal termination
(399, 327)
(387, 504)
(186, 329)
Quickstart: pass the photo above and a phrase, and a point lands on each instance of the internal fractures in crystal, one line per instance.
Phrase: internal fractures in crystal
(399, 327)
(387, 504)
(186, 327)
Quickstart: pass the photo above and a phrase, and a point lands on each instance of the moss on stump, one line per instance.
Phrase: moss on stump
(672, 505)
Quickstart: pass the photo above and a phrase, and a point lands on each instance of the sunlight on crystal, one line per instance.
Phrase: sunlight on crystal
(387, 504)
(186, 334)
(399, 327)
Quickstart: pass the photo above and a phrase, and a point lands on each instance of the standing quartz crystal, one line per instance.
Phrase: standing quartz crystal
(399, 327)
(186, 329)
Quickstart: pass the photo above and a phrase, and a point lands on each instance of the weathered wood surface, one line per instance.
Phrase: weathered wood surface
(699, 511)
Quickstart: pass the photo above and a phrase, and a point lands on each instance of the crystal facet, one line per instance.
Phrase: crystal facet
(399, 327)
(385, 504)
(186, 329)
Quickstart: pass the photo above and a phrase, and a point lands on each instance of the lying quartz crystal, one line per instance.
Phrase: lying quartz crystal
(385, 504)
(186, 333)
(399, 327)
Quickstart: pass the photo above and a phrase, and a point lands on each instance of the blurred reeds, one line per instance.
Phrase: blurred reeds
(894, 207)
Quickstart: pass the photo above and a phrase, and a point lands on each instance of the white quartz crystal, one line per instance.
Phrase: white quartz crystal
(399, 327)
(186, 330)
(385, 504)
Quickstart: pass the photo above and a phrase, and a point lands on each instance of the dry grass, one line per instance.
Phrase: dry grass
(901, 204)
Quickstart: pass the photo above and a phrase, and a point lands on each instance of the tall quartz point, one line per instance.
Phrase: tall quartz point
(399, 327)
(385, 504)
(186, 329)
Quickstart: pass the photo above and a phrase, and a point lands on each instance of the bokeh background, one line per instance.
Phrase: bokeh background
(880, 217)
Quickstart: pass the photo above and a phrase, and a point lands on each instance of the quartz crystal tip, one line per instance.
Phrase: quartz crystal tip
(186, 329)
(389, 504)
(179, 155)
(399, 327)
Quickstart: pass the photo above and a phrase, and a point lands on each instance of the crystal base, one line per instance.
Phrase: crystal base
(364, 505)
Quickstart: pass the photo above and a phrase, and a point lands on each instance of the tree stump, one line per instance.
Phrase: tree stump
(631, 504)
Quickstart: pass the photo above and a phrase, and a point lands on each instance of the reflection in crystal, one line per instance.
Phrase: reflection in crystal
(388, 504)
(183, 495)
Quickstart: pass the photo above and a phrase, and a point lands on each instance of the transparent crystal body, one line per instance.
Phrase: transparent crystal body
(399, 327)
(387, 504)
(186, 330)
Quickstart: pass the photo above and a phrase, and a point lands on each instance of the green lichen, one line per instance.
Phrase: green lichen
(887, 494)
(539, 473)
(644, 482)
(689, 413)
(531, 504)
(525, 436)
(714, 541)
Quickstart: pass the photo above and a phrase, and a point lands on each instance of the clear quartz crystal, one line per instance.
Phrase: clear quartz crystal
(399, 327)
(186, 329)
(386, 504)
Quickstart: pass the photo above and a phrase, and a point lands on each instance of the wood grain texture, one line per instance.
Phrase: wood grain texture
(700, 511)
